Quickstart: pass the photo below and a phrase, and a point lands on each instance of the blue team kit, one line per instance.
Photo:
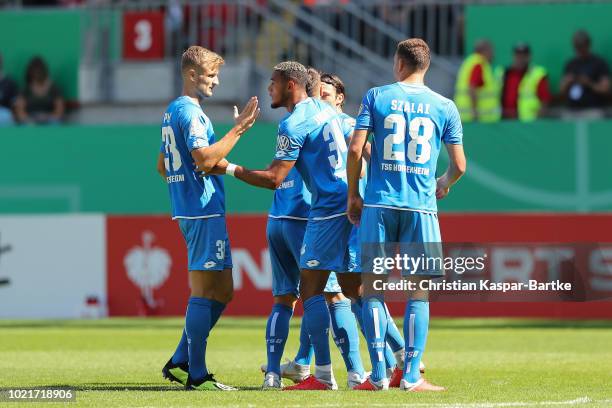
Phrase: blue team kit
(409, 123)
(325, 245)
(197, 202)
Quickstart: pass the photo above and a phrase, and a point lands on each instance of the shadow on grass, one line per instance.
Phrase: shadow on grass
(127, 387)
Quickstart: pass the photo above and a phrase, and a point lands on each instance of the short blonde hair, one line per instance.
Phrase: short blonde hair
(196, 56)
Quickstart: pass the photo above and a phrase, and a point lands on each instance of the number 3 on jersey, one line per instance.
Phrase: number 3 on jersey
(419, 147)
(171, 150)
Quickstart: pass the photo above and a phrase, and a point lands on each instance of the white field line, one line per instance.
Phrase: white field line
(577, 401)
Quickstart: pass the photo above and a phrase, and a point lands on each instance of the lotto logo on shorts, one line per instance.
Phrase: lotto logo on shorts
(210, 264)
(312, 263)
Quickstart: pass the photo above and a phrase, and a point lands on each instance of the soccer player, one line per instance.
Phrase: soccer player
(310, 138)
(409, 123)
(188, 140)
(333, 92)
(286, 227)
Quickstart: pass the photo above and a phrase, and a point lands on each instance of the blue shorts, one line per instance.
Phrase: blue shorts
(285, 237)
(354, 249)
(208, 247)
(326, 245)
(416, 233)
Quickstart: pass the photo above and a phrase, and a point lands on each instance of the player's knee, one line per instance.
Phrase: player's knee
(351, 285)
(288, 300)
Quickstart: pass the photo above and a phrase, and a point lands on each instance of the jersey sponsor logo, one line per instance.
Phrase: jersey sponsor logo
(312, 263)
(148, 267)
(286, 184)
(196, 128)
(210, 264)
(175, 179)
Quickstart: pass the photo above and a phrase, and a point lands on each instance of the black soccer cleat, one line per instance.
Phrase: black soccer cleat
(176, 372)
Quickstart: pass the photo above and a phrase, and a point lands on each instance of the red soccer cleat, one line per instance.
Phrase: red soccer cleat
(368, 385)
(309, 384)
(396, 377)
(421, 386)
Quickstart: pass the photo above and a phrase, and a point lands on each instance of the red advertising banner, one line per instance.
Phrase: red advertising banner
(147, 263)
(147, 266)
(143, 35)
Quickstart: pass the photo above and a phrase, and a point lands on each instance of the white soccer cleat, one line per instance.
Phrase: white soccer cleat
(272, 382)
(291, 371)
(420, 386)
(354, 379)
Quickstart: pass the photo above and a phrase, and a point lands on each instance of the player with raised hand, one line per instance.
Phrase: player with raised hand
(333, 92)
(198, 203)
(311, 139)
(409, 123)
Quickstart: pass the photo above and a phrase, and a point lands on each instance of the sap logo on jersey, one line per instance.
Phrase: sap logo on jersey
(312, 263)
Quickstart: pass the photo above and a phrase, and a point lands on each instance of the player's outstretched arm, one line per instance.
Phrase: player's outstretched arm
(456, 169)
(353, 171)
(272, 177)
(207, 157)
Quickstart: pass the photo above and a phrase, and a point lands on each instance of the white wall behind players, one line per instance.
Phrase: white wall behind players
(53, 264)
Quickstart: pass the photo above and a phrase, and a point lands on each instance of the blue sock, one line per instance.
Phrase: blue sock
(375, 325)
(216, 309)
(181, 354)
(390, 361)
(394, 337)
(277, 331)
(305, 352)
(317, 325)
(197, 326)
(346, 335)
(416, 326)
(356, 307)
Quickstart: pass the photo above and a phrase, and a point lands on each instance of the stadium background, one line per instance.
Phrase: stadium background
(84, 214)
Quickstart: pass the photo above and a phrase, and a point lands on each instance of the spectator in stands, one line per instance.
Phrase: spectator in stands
(8, 96)
(41, 102)
(525, 89)
(477, 88)
(586, 80)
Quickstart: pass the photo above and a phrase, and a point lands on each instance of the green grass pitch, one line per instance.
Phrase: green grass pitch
(482, 362)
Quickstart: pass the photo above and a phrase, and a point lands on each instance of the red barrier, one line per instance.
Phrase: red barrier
(147, 261)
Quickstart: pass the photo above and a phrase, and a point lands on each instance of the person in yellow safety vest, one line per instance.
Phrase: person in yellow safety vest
(526, 91)
(477, 88)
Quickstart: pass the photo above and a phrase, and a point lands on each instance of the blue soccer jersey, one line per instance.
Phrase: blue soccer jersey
(185, 127)
(313, 136)
(409, 123)
(292, 198)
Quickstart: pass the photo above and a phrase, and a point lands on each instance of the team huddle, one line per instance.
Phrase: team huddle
(327, 207)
